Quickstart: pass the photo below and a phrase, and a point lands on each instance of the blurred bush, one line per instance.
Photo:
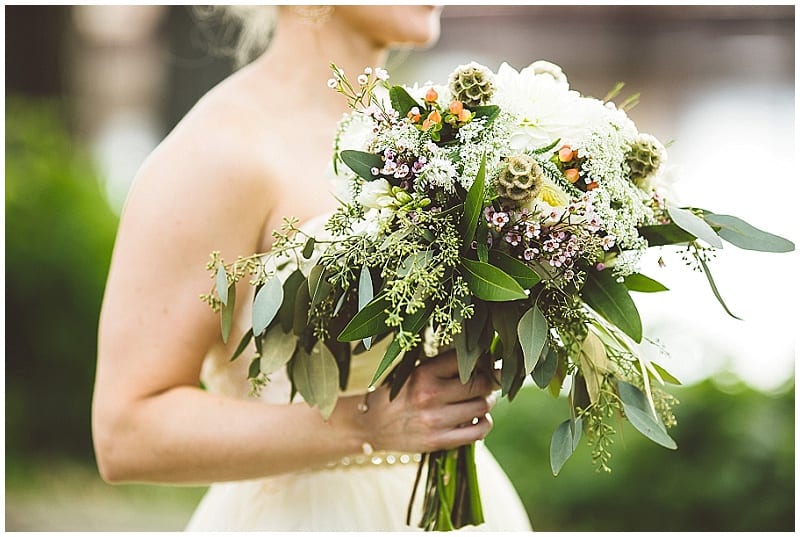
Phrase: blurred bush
(59, 236)
(733, 470)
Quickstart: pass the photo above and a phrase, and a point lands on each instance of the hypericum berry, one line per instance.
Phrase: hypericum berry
(521, 179)
(431, 96)
(572, 175)
(471, 84)
(566, 154)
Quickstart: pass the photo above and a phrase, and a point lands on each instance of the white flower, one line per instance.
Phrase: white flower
(546, 108)
(542, 67)
(376, 194)
(440, 172)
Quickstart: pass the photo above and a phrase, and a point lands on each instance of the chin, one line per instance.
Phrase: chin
(420, 28)
(393, 25)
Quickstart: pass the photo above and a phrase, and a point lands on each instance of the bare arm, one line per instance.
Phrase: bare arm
(150, 420)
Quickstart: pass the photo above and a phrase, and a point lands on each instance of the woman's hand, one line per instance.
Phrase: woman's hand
(433, 411)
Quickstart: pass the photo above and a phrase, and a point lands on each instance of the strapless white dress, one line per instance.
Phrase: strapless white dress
(364, 493)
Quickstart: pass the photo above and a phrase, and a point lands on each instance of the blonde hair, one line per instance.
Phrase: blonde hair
(252, 26)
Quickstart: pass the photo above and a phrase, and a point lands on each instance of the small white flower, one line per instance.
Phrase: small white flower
(332, 83)
(381, 74)
(376, 194)
(362, 79)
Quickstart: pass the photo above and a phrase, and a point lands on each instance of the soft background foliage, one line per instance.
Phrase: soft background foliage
(87, 101)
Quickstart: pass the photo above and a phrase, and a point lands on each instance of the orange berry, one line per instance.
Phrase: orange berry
(592, 185)
(427, 124)
(435, 117)
(465, 115)
(572, 175)
(431, 95)
(565, 154)
(456, 107)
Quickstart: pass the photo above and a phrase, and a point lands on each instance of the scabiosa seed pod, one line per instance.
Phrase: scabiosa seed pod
(521, 179)
(644, 158)
(471, 84)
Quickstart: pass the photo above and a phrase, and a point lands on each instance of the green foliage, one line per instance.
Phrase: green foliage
(733, 470)
(59, 235)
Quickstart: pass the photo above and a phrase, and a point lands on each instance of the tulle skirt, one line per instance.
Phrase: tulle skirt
(356, 497)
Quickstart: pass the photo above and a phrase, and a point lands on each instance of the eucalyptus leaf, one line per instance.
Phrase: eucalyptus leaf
(365, 295)
(301, 308)
(610, 299)
(243, 343)
(665, 375)
(290, 287)
(413, 324)
(401, 101)
(308, 249)
(228, 309)
(594, 365)
(713, 285)
(316, 377)
(489, 283)
(222, 284)
(278, 349)
(254, 368)
(369, 321)
(489, 111)
(505, 318)
(545, 368)
(522, 273)
(414, 262)
(664, 234)
(688, 221)
(510, 369)
(467, 358)
(532, 330)
(739, 233)
(318, 286)
(362, 163)
(563, 443)
(641, 416)
(266, 304)
(643, 284)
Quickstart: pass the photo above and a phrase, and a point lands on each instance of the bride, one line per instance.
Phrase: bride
(252, 151)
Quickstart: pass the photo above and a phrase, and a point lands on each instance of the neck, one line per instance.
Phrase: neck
(300, 54)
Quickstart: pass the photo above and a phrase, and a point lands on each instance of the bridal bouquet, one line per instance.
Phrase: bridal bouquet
(503, 215)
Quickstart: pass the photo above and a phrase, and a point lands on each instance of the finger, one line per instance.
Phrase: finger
(443, 366)
(456, 415)
(452, 391)
(465, 435)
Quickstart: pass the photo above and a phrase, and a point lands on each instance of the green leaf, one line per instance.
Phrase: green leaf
(739, 233)
(414, 262)
(545, 369)
(473, 207)
(362, 163)
(243, 343)
(254, 368)
(525, 276)
(564, 442)
(467, 357)
(639, 413)
(665, 375)
(688, 221)
(713, 285)
(316, 376)
(509, 371)
(318, 285)
(532, 331)
(401, 101)
(290, 287)
(403, 370)
(228, 309)
(489, 283)
(481, 238)
(308, 249)
(489, 111)
(222, 284)
(366, 293)
(278, 349)
(664, 234)
(643, 284)
(369, 321)
(611, 300)
(413, 323)
(266, 304)
(301, 303)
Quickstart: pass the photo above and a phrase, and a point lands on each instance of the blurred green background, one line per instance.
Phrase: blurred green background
(66, 167)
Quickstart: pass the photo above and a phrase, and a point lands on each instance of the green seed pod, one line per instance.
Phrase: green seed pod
(471, 84)
(644, 158)
(521, 179)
